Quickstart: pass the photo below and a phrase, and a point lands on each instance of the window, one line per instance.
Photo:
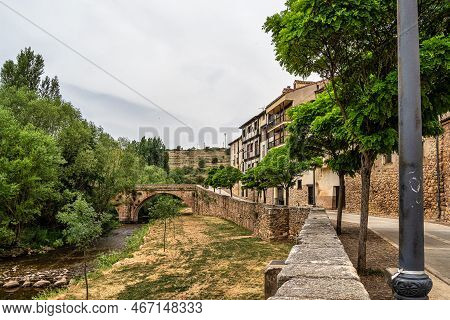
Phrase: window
(299, 184)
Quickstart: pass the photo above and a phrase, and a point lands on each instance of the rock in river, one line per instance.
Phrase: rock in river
(41, 284)
(61, 282)
(11, 284)
(26, 284)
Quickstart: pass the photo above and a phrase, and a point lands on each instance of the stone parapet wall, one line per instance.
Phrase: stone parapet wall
(265, 221)
(318, 268)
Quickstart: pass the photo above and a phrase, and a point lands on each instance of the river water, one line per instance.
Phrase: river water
(56, 263)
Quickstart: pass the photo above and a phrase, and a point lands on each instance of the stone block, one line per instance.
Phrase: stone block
(322, 289)
(292, 271)
(310, 255)
(270, 277)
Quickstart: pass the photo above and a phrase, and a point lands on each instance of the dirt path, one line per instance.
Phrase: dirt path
(209, 258)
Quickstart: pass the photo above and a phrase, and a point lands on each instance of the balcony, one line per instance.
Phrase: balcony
(276, 142)
(252, 154)
(250, 135)
(276, 120)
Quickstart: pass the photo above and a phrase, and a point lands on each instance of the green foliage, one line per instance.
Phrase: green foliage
(49, 153)
(154, 175)
(37, 236)
(29, 162)
(281, 170)
(209, 181)
(7, 236)
(224, 177)
(83, 224)
(153, 151)
(353, 44)
(26, 72)
(187, 175)
(201, 164)
(318, 130)
(165, 207)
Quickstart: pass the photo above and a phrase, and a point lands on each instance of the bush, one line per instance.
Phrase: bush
(36, 237)
(7, 237)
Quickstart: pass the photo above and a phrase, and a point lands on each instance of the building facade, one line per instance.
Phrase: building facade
(268, 130)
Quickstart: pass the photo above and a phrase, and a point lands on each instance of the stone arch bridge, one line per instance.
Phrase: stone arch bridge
(128, 205)
(269, 222)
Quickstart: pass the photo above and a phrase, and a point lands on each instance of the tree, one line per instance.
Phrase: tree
(27, 72)
(317, 130)
(154, 175)
(257, 179)
(49, 88)
(227, 177)
(209, 181)
(201, 164)
(166, 208)
(281, 170)
(152, 150)
(352, 44)
(83, 228)
(29, 165)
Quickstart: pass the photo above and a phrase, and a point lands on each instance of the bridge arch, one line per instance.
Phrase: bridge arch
(128, 205)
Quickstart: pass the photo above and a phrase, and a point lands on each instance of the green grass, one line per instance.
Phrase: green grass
(241, 260)
(49, 293)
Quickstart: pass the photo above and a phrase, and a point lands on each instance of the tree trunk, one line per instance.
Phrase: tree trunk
(340, 203)
(366, 168)
(231, 192)
(287, 197)
(173, 223)
(85, 275)
(164, 240)
(18, 232)
(264, 195)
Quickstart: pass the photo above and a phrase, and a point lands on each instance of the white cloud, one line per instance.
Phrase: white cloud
(207, 62)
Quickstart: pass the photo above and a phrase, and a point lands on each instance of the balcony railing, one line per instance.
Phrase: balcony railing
(277, 142)
(276, 120)
(249, 155)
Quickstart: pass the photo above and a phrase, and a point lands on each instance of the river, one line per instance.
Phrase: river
(55, 264)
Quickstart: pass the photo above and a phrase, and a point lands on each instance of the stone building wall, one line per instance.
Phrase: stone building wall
(384, 182)
(191, 158)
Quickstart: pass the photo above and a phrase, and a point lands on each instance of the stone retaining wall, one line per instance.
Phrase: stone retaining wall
(265, 221)
(318, 268)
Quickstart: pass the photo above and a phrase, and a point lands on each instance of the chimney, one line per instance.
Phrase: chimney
(287, 90)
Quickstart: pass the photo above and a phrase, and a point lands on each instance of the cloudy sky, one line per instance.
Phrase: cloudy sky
(206, 63)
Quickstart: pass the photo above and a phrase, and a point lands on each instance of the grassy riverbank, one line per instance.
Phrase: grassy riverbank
(208, 258)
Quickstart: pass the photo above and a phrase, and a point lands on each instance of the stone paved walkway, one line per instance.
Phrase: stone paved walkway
(437, 241)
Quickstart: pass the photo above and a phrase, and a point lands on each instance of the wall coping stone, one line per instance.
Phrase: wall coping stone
(318, 267)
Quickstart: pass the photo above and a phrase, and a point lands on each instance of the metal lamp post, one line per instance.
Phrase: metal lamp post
(410, 282)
